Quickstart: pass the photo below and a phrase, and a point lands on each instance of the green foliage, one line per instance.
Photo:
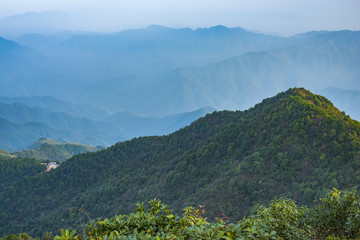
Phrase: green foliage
(47, 236)
(21, 236)
(337, 214)
(282, 219)
(157, 221)
(66, 235)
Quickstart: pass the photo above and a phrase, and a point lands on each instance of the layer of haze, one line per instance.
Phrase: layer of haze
(282, 16)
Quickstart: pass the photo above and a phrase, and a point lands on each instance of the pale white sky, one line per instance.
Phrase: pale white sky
(278, 16)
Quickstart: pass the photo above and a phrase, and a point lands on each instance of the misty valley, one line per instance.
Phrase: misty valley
(180, 133)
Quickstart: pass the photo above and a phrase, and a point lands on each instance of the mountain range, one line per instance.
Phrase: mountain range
(25, 120)
(239, 82)
(159, 71)
(296, 144)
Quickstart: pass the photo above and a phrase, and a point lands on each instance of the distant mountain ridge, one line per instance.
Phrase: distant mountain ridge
(77, 129)
(316, 61)
(326, 59)
(15, 136)
(84, 65)
(57, 105)
(21, 125)
(295, 144)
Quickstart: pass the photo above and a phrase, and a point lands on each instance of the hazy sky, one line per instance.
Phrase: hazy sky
(276, 16)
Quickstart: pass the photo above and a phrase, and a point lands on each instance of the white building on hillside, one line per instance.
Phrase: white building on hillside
(51, 165)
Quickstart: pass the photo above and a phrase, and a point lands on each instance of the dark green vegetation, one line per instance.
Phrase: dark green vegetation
(14, 168)
(21, 236)
(293, 145)
(336, 216)
(48, 149)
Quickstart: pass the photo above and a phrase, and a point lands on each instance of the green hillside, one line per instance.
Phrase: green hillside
(295, 145)
(48, 149)
(13, 169)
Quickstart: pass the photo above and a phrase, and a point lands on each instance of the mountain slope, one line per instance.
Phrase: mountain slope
(295, 144)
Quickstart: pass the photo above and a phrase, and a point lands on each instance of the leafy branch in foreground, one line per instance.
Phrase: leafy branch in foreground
(336, 216)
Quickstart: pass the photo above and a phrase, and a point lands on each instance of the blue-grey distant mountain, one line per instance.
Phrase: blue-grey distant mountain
(15, 136)
(325, 59)
(27, 72)
(57, 105)
(43, 42)
(21, 125)
(156, 49)
(33, 22)
(90, 58)
(37, 122)
(159, 71)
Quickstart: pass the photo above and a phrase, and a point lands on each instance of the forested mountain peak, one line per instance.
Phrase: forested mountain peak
(301, 97)
(296, 144)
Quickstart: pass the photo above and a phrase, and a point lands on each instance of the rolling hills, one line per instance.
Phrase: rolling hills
(295, 144)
